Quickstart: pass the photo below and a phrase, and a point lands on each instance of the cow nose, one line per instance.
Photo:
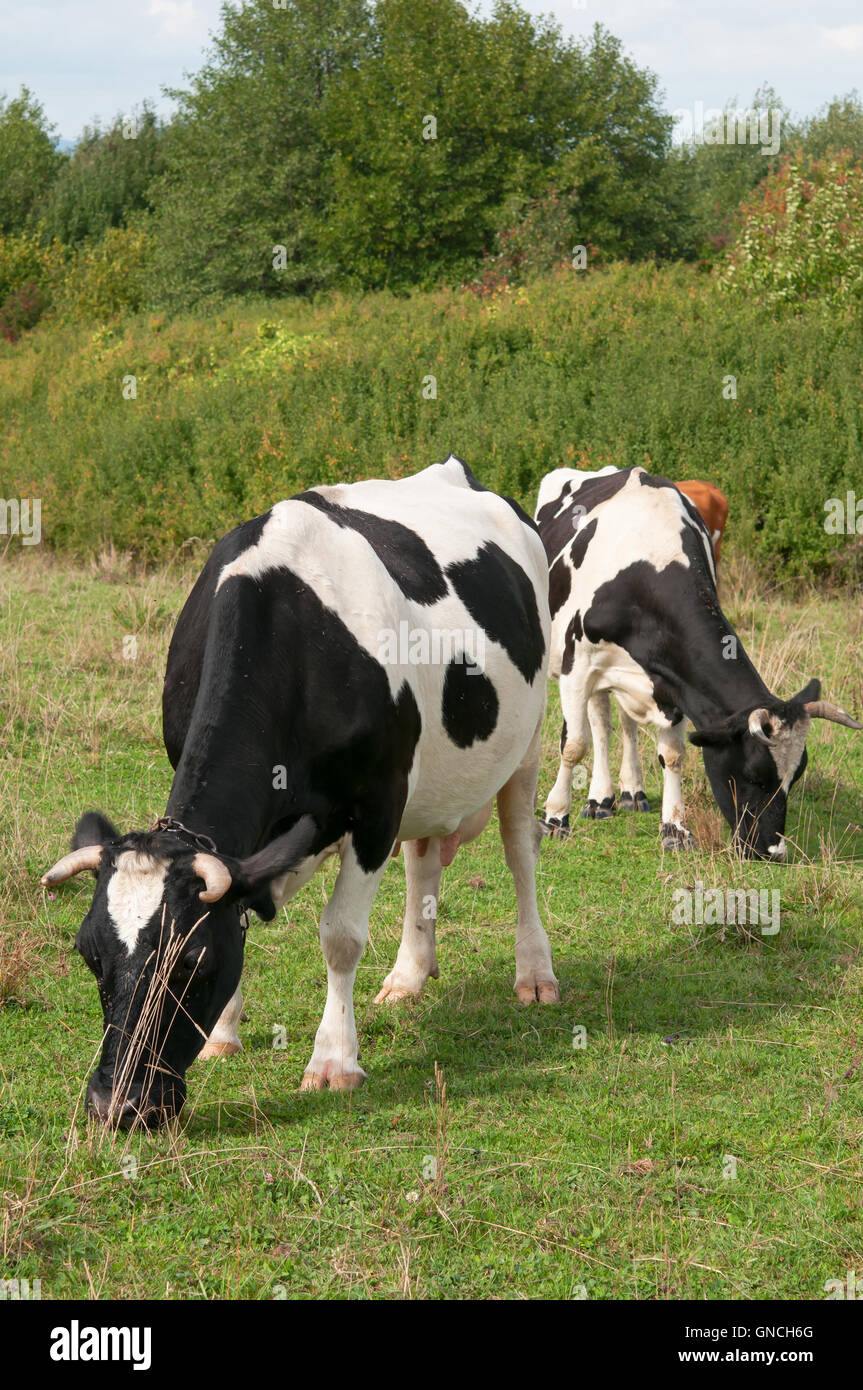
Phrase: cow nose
(778, 851)
(110, 1109)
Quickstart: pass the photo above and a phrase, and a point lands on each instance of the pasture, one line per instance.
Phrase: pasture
(705, 1142)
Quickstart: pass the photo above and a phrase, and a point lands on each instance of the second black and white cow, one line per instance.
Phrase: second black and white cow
(363, 665)
(632, 589)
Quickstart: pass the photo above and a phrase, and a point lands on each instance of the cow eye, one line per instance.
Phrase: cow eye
(191, 959)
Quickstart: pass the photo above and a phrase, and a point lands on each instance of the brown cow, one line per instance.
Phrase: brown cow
(713, 507)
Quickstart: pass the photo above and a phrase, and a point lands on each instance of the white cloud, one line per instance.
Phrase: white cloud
(849, 37)
(179, 19)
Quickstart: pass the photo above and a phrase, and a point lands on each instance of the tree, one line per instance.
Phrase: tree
(837, 126)
(29, 161)
(244, 159)
(717, 177)
(107, 180)
(453, 125)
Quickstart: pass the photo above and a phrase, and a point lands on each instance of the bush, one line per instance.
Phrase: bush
(802, 234)
(251, 403)
(106, 278)
(23, 309)
(26, 260)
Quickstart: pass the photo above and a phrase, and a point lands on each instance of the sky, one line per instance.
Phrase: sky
(88, 59)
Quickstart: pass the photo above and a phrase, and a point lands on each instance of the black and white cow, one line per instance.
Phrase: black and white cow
(632, 589)
(363, 665)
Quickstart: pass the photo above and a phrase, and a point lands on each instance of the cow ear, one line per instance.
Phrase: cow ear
(709, 738)
(250, 876)
(812, 691)
(93, 829)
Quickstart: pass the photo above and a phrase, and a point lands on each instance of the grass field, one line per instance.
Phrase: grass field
(487, 1156)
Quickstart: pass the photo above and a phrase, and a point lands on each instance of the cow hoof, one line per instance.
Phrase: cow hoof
(633, 801)
(556, 829)
(335, 1080)
(606, 808)
(675, 837)
(219, 1049)
(588, 811)
(392, 993)
(540, 991)
(641, 802)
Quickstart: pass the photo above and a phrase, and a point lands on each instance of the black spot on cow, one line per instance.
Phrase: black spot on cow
(640, 610)
(562, 737)
(404, 554)
(500, 598)
(550, 510)
(557, 531)
(559, 584)
(654, 480)
(578, 550)
(469, 706)
(574, 633)
(323, 711)
(190, 637)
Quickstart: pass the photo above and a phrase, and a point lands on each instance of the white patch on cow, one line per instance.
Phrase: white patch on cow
(786, 749)
(135, 893)
(613, 669)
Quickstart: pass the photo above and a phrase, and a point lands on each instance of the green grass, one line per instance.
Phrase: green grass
(557, 1169)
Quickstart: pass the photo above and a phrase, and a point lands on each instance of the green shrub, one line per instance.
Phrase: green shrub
(106, 278)
(801, 236)
(252, 402)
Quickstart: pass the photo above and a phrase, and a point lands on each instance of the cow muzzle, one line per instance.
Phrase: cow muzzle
(137, 1105)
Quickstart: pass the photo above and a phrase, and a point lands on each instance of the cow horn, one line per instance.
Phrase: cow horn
(216, 876)
(755, 722)
(822, 709)
(88, 857)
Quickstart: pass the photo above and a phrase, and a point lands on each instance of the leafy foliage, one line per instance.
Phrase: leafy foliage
(108, 179)
(252, 402)
(245, 161)
(802, 234)
(29, 161)
(107, 278)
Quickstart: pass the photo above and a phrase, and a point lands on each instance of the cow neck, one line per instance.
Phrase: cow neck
(706, 685)
(226, 792)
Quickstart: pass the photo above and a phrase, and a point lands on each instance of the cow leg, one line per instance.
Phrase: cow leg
(632, 796)
(672, 751)
(574, 743)
(344, 930)
(516, 805)
(600, 795)
(224, 1040)
(424, 859)
(416, 959)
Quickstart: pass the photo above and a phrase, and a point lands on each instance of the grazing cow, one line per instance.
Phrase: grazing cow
(632, 588)
(363, 665)
(713, 507)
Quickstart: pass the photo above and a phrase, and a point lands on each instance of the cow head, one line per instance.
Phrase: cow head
(754, 758)
(164, 938)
